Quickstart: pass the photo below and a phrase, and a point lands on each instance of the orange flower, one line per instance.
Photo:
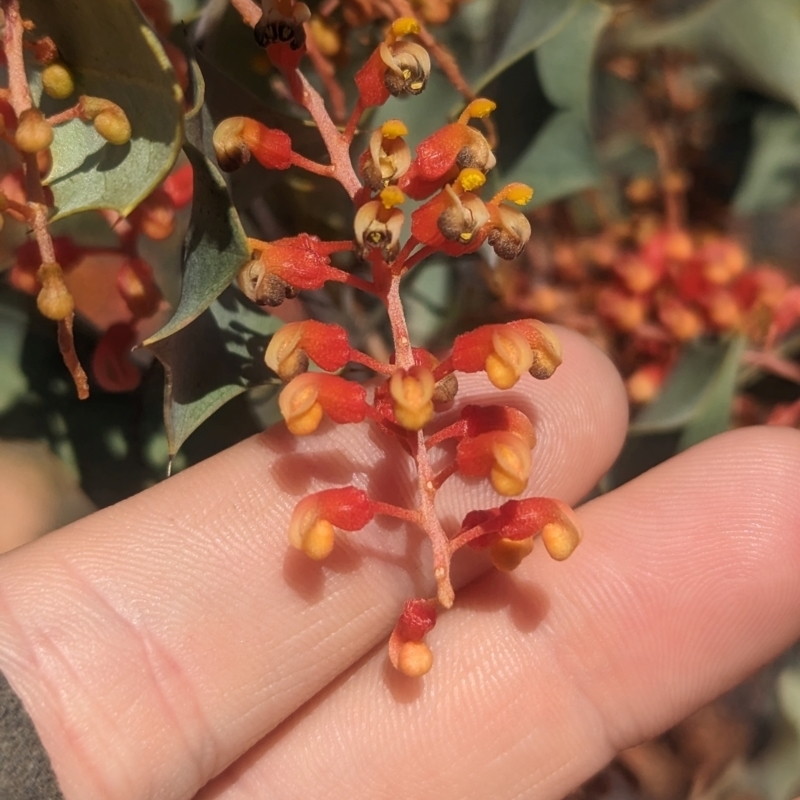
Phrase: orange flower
(441, 156)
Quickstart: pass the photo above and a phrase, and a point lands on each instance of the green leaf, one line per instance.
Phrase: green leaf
(535, 23)
(561, 159)
(771, 178)
(698, 395)
(714, 412)
(113, 55)
(13, 329)
(426, 300)
(756, 42)
(216, 246)
(219, 356)
(212, 349)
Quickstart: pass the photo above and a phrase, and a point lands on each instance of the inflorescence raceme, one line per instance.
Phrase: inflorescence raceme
(447, 173)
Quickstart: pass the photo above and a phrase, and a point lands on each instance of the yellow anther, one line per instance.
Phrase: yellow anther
(479, 108)
(391, 196)
(393, 128)
(518, 193)
(471, 179)
(405, 26)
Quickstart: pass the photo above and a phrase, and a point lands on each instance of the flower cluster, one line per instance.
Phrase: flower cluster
(445, 175)
(642, 290)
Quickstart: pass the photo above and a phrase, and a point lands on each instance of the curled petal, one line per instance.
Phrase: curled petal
(507, 554)
(283, 30)
(441, 156)
(509, 359)
(378, 228)
(237, 138)
(311, 528)
(510, 233)
(408, 67)
(544, 344)
(387, 158)
(304, 400)
(412, 397)
(521, 519)
(279, 269)
(503, 457)
(292, 345)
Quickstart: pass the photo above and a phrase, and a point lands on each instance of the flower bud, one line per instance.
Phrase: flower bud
(509, 358)
(516, 520)
(292, 345)
(560, 538)
(237, 138)
(311, 528)
(414, 659)
(109, 120)
(279, 269)
(683, 322)
(407, 652)
(309, 396)
(57, 81)
(507, 554)
(54, 300)
(34, 133)
(645, 383)
(625, 312)
(412, 397)
(503, 457)
(441, 157)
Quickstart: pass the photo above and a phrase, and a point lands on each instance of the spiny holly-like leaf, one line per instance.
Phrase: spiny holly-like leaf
(772, 176)
(113, 55)
(560, 160)
(217, 357)
(756, 42)
(215, 247)
(698, 395)
(212, 349)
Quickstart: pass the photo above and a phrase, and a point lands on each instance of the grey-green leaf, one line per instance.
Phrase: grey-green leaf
(771, 178)
(216, 246)
(113, 55)
(695, 389)
(535, 23)
(714, 412)
(211, 361)
(561, 158)
(756, 41)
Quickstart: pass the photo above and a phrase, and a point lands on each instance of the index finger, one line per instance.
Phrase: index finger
(156, 641)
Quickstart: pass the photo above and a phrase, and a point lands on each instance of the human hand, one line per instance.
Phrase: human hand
(161, 645)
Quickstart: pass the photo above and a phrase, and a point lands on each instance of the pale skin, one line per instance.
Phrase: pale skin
(161, 645)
